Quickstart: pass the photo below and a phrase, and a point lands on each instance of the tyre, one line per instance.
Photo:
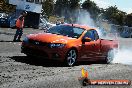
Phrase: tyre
(110, 56)
(71, 57)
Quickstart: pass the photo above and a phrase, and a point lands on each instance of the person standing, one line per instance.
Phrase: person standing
(58, 22)
(19, 26)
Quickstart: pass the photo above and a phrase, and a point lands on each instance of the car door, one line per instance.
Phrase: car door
(91, 49)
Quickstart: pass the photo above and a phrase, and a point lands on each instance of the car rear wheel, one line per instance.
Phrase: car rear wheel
(71, 57)
(110, 56)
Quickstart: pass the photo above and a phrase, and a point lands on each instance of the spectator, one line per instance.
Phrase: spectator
(19, 26)
(58, 22)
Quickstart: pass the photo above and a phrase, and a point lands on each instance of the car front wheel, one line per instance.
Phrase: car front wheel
(71, 57)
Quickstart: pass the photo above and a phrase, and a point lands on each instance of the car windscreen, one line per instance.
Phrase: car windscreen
(64, 30)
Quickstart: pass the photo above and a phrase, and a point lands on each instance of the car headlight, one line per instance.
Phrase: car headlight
(56, 45)
(26, 40)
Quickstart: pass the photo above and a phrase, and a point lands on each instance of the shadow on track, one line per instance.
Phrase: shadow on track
(9, 41)
(5, 41)
(38, 61)
(7, 33)
(46, 63)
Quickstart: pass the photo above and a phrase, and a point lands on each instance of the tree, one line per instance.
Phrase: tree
(114, 15)
(66, 8)
(109, 12)
(5, 7)
(129, 20)
(74, 4)
(61, 6)
(48, 7)
(92, 8)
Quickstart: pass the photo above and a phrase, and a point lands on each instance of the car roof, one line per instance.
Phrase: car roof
(85, 27)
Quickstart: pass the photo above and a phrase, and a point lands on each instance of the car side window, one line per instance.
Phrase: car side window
(92, 34)
(96, 35)
(77, 32)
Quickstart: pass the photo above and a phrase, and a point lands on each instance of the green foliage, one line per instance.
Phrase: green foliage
(61, 6)
(74, 4)
(67, 9)
(114, 15)
(129, 20)
(7, 8)
(48, 7)
(64, 6)
(92, 8)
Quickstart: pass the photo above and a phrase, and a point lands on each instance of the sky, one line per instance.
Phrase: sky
(123, 5)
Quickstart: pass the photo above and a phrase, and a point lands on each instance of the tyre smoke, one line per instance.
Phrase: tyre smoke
(123, 56)
(84, 18)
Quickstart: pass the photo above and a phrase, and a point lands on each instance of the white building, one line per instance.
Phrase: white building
(28, 5)
(33, 7)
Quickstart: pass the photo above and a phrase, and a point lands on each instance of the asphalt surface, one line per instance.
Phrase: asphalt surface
(19, 71)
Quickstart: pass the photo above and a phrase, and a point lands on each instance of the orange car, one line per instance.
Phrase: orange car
(69, 43)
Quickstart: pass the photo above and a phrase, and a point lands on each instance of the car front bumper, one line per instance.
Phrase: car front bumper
(44, 52)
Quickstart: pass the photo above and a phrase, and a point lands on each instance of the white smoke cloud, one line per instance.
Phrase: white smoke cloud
(84, 18)
(123, 56)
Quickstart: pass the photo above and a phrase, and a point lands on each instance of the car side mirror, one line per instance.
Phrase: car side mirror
(86, 39)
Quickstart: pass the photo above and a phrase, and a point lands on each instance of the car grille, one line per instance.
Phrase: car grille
(34, 42)
(34, 52)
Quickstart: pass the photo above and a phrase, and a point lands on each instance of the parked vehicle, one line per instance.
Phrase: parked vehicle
(70, 43)
(44, 24)
(126, 32)
(4, 20)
